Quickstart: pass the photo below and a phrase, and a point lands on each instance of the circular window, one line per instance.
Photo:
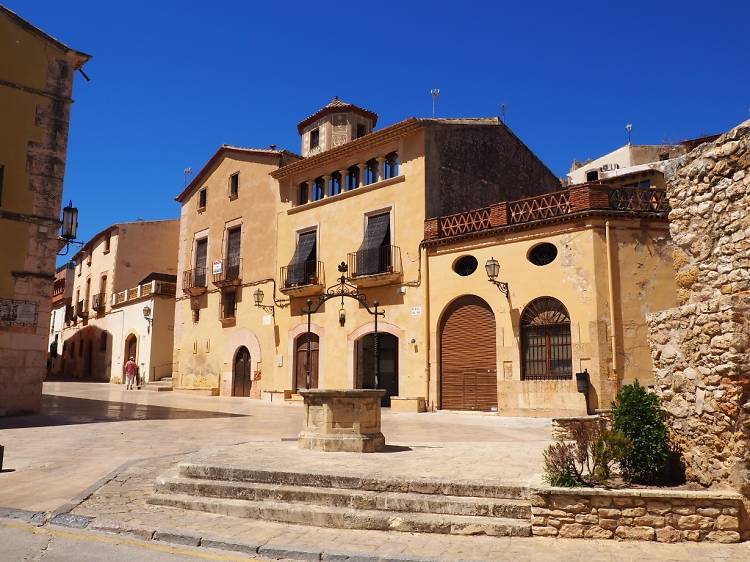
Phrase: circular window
(542, 254)
(465, 265)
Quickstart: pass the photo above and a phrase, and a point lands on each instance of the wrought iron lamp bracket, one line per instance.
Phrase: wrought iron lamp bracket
(502, 285)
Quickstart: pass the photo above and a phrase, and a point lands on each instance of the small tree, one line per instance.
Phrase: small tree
(637, 414)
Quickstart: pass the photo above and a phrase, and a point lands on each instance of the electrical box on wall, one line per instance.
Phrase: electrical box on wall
(279, 360)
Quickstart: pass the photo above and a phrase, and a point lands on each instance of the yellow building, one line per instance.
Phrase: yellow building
(395, 211)
(122, 270)
(36, 82)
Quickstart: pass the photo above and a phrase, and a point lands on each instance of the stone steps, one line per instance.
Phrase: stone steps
(348, 518)
(347, 498)
(374, 484)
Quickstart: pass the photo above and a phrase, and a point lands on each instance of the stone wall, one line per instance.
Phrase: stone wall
(652, 515)
(561, 427)
(700, 348)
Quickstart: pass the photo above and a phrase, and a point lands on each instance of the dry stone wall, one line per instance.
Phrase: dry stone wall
(651, 515)
(700, 349)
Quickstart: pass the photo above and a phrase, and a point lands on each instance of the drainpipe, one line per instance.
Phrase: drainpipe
(427, 326)
(615, 382)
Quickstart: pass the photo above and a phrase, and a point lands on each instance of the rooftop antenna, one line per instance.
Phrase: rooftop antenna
(629, 129)
(188, 172)
(502, 112)
(435, 93)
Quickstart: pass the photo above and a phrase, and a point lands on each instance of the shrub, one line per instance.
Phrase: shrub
(587, 460)
(637, 414)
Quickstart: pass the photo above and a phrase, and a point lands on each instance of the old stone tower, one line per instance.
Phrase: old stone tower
(700, 349)
(335, 124)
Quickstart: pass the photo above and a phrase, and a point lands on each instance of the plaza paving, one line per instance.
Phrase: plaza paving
(97, 449)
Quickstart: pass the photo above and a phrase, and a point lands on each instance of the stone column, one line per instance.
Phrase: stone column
(326, 186)
(343, 174)
(362, 171)
(381, 167)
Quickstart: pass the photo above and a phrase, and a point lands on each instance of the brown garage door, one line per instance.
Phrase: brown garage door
(468, 356)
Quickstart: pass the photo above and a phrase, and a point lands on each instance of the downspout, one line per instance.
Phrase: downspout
(615, 382)
(427, 326)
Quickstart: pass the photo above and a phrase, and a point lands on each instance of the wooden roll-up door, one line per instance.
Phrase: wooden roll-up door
(468, 356)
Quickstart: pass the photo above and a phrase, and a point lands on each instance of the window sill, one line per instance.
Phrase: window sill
(228, 322)
(232, 198)
(346, 194)
(201, 209)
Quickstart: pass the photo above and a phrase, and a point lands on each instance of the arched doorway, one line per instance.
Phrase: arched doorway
(300, 361)
(364, 361)
(131, 350)
(468, 356)
(241, 373)
(545, 341)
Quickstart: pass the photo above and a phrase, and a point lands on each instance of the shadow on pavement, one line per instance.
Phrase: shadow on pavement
(64, 410)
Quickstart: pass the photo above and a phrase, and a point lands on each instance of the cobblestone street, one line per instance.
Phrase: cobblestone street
(77, 458)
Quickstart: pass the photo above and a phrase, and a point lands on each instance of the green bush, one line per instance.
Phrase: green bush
(637, 414)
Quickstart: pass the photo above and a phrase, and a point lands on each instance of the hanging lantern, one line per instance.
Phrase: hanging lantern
(342, 316)
(258, 297)
(69, 222)
(493, 268)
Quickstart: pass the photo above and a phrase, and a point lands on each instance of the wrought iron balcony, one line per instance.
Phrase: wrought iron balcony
(230, 274)
(375, 266)
(194, 281)
(98, 302)
(302, 279)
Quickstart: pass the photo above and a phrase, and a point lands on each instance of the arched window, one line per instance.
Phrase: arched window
(371, 172)
(318, 189)
(391, 166)
(545, 341)
(335, 187)
(352, 178)
(304, 195)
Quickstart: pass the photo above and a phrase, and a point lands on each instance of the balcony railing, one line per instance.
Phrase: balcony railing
(549, 206)
(230, 274)
(98, 302)
(69, 313)
(383, 263)
(162, 288)
(194, 281)
(82, 309)
(302, 279)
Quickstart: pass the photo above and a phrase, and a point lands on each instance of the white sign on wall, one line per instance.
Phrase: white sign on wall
(267, 319)
(18, 313)
(217, 267)
(416, 311)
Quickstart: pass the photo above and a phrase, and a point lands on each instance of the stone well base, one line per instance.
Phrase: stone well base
(345, 444)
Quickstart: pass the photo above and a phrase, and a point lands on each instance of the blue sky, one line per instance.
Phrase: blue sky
(171, 81)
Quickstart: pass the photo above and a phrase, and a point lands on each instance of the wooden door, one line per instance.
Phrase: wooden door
(468, 356)
(300, 361)
(242, 383)
(388, 368)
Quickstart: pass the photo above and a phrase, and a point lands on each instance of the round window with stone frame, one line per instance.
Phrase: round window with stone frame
(542, 254)
(465, 265)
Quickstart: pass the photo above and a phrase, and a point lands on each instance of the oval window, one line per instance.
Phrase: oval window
(465, 265)
(542, 254)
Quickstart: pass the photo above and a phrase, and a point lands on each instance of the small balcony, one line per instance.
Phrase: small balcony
(98, 302)
(303, 279)
(375, 266)
(70, 314)
(194, 281)
(230, 274)
(82, 310)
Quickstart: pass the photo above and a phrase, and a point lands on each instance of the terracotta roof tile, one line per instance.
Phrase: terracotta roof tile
(334, 106)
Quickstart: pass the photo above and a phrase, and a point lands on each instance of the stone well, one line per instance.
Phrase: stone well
(342, 420)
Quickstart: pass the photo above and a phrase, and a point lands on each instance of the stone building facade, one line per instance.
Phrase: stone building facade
(122, 270)
(403, 208)
(700, 348)
(36, 83)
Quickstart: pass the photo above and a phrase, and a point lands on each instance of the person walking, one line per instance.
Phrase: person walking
(130, 369)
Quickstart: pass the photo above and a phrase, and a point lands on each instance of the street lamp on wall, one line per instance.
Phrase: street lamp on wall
(492, 267)
(258, 298)
(69, 228)
(147, 316)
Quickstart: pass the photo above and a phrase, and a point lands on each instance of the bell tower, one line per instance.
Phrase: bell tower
(335, 124)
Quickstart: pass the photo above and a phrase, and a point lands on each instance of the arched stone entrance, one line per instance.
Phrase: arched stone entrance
(242, 373)
(468, 356)
(364, 362)
(131, 350)
(300, 361)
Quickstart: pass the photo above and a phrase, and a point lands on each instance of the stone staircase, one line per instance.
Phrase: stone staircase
(325, 500)
(162, 385)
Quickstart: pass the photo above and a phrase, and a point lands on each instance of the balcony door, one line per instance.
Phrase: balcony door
(374, 255)
(233, 253)
(304, 262)
(300, 361)
(201, 258)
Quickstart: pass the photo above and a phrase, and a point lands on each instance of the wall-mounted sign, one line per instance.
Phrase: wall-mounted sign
(18, 313)
(217, 267)
(416, 311)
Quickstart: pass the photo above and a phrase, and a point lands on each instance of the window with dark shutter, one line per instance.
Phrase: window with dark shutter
(303, 264)
(201, 254)
(233, 253)
(372, 255)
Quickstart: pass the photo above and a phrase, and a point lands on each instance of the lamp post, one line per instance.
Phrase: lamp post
(147, 316)
(492, 267)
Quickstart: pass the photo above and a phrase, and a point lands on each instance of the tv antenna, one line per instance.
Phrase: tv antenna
(629, 129)
(435, 93)
(502, 112)
(188, 172)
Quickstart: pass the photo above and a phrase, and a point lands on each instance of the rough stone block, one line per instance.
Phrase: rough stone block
(572, 531)
(723, 536)
(635, 533)
(596, 532)
(668, 534)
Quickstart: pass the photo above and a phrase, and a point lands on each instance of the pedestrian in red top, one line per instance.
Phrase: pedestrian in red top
(130, 369)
